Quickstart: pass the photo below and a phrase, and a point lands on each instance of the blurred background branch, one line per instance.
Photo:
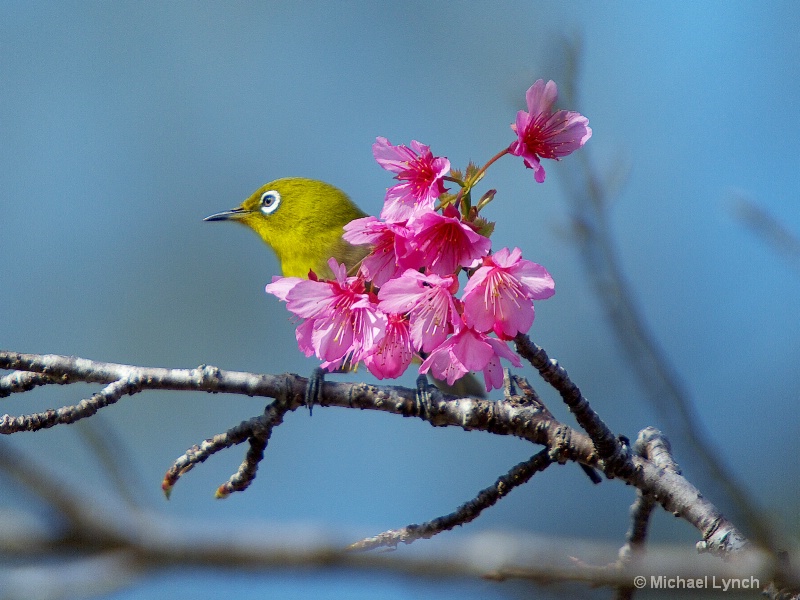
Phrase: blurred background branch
(591, 196)
(769, 229)
(102, 546)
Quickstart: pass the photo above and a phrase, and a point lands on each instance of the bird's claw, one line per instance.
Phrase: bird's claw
(314, 388)
(422, 395)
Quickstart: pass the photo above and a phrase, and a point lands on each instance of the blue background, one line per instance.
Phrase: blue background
(123, 124)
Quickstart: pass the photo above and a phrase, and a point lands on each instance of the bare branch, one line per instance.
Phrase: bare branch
(608, 446)
(261, 432)
(199, 453)
(651, 444)
(465, 513)
(22, 381)
(507, 417)
(510, 385)
(69, 414)
(79, 577)
(633, 550)
(513, 417)
(20, 468)
(145, 541)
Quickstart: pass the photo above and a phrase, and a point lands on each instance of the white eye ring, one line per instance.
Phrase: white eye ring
(270, 200)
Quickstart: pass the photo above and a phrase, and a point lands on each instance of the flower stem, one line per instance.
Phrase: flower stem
(475, 178)
(467, 187)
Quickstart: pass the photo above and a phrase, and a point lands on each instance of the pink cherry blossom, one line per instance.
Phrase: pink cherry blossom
(499, 295)
(467, 351)
(493, 372)
(393, 353)
(389, 245)
(281, 286)
(428, 300)
(419, 173)
(543, 133)
(441, 243)
(342, 321)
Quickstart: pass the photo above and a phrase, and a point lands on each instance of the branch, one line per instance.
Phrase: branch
(608, 446)
(769, 230)
(514, 416)
(70, 414)
(22, 381)
(465, 513)
(651, 444)
(257, 431)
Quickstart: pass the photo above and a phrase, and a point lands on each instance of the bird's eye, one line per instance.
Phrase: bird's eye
(270, 201)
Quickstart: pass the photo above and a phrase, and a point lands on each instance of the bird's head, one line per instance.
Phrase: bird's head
(293, 214)
(292, 210)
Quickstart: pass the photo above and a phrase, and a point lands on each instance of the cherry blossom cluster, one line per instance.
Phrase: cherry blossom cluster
(403, 301)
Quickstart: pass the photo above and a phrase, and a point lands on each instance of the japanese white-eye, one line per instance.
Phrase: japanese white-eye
(301, 220)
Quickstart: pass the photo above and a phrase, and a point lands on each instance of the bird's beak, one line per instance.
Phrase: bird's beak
(227, 215)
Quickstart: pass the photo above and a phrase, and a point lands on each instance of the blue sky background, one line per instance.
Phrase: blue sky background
(123, 124)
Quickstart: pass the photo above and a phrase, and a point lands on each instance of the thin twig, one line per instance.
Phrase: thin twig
(262, 431)
(652, 445)
(640, 512)
(531, 398)
(608, 446)
(22, 381)
(199, 453)
(70, 414)
(633, 550)
(465, 513)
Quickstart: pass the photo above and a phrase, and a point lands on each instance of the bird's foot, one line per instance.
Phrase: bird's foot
(314, 388)
(422, 395)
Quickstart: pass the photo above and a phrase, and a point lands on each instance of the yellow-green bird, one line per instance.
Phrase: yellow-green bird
(303, 220)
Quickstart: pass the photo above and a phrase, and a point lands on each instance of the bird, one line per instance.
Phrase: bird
(303, 220)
